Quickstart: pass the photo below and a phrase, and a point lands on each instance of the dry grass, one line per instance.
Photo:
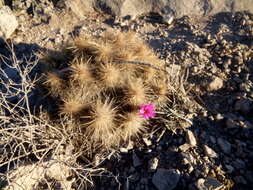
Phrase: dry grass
(160, 92)
(27, 136)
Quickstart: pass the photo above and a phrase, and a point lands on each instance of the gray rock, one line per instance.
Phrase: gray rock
(212, 139)
(134, 177)
(224, 145)
(243, 105)
(167, 8)
(208, 184)
(238, 164)
(11, 74)
(136, 160)
(210, 152)
(80, 7)
(191, 138)
(230, 168)
(8, 22)
(165, 179)
(240, 179)
(249, 176)
(230, 123)
(248, 125)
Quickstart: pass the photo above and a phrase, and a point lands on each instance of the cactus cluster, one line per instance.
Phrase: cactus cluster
(104, 83)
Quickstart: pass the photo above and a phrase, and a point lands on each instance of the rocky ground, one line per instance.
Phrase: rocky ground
(216, 150)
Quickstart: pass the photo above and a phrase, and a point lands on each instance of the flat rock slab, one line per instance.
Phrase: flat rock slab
(165, 179)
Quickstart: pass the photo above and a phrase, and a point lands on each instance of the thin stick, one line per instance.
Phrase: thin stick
(176, 114)
(140, 63)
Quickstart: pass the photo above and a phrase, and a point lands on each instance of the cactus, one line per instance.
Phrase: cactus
(104, 83)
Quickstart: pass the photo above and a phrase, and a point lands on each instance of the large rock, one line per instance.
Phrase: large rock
(8, 22)
(80, 7)
(166, 179)
(29, 176)
(176, 8)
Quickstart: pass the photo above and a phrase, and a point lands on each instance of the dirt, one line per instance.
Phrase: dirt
(216, 53)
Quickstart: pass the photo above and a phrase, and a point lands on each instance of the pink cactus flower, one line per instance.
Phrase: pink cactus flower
(147, 111)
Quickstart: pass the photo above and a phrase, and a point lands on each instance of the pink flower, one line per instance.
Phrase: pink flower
(147, 111)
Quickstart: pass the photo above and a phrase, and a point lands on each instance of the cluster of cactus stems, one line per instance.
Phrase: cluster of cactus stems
(105, 83)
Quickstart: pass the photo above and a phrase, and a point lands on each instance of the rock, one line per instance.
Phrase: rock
(28, 176)
(242, 5)
(212, 139)
(134, 177)
(224, 145)
(190, 138)
(185, 161)
(230, 168)
(184, 147)
(177, 9)
(208, 184)
(124, 8)
(249, 176)
(230, 123)
(238, 164)
(165, 179)
(210, 152)
(152, 164)
(123, 150)
(144, 181)
(219, 116)
(136, 160)
(189, 157)
(12, 74)
(8, 22)
(80, 7)
(238, 60)
(215, 84)
(248, 125)
(127, 148)
(168, 19)
(240, 180)
(243, 105)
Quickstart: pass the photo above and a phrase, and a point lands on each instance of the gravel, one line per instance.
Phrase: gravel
(214, 54)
